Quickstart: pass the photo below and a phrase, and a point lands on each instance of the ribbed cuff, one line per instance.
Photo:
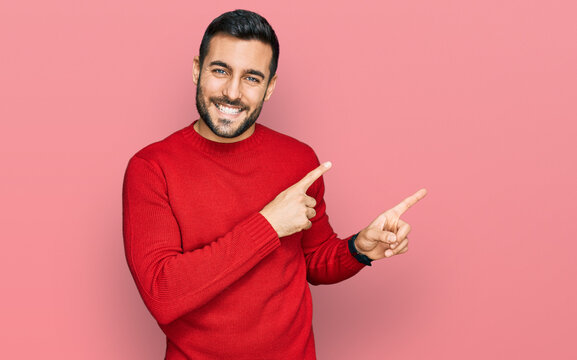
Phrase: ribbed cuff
(265, 238)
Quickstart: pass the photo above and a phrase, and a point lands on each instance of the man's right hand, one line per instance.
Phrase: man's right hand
(292, 209)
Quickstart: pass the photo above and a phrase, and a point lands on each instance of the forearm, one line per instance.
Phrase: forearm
(173, 283)
(328, 258)
(331, 262)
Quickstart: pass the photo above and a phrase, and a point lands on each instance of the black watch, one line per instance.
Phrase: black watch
(363, 259)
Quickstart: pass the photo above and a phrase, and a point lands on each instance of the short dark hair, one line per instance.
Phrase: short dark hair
(246, 25)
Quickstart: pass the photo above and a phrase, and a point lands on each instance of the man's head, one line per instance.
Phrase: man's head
(234, 73)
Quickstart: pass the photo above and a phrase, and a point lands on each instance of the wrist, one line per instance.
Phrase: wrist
(268, 218)
(362, 258)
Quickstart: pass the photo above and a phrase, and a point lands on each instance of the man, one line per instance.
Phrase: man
(224, 220)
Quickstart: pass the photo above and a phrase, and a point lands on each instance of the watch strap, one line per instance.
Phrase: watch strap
(362, 258)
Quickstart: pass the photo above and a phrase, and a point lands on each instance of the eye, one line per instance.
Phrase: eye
(219, 71)
(253, 79)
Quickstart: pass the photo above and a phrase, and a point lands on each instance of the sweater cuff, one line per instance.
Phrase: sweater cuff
(264, 237)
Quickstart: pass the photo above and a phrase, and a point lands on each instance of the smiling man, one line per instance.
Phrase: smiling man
(225, 222)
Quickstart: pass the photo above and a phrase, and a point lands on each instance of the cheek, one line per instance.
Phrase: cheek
(210, 87)
(254, 95)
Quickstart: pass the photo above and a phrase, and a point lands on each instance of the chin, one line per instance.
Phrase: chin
(226, 128)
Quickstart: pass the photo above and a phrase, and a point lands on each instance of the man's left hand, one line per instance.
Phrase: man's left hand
(386, 236)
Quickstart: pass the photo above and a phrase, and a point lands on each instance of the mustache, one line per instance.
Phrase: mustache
(227, 101)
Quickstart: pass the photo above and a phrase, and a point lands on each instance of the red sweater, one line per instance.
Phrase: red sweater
(210, 268)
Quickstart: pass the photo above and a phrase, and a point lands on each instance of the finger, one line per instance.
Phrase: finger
(388, 237)
(398, 249)
(404, 250)
(408, 202)
(379, 222)
(404, 230)
(383, 223)
(311, 177)
(308, 225)
(401, 246)
(311, 213)
(310, 201)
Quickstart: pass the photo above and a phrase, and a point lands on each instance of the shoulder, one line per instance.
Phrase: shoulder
(165, 148)
(287, 145)
(290, 159)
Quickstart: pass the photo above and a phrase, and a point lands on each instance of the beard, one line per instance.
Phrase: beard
(223, 127)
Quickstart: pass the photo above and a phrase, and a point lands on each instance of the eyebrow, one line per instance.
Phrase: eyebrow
(226, 66)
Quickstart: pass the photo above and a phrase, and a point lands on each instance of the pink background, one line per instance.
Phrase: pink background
(475, 100)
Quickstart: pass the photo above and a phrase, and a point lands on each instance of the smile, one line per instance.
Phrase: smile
(228, 110)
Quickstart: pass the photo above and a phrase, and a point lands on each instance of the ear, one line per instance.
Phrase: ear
(195, 70)
(270, 88)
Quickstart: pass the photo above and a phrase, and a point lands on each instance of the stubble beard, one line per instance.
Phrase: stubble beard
(222, 127)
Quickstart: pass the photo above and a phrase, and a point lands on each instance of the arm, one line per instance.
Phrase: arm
(328, 257)
(173, 282)
(386, 236)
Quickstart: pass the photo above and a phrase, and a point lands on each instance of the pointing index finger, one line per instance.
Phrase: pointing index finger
(312, 176)
(404, 205)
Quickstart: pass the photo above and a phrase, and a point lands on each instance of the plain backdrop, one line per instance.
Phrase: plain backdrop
(474, 100)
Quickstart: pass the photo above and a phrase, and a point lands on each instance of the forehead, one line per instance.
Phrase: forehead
(239, 54)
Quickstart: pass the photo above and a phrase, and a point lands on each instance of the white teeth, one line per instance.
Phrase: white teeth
(228, 110)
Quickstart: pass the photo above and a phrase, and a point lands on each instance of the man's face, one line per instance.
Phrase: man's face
(231, 87)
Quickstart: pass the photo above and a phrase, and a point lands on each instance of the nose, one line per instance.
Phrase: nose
(232, 88)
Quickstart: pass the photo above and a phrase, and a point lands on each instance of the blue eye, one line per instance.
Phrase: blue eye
(219, 71)
(252, 79)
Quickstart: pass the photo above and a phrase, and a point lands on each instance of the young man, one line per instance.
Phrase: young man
(224, 220)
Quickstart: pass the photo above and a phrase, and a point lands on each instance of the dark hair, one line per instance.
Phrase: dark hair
(246, 25)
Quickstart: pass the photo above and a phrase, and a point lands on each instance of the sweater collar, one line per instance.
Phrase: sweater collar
(213, 147)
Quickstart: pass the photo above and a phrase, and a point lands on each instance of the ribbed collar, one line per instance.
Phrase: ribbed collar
(213, 147)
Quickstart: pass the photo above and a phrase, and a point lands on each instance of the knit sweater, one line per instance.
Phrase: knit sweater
(209, 267)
